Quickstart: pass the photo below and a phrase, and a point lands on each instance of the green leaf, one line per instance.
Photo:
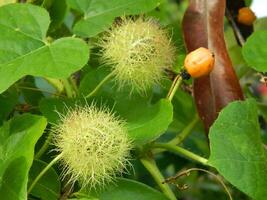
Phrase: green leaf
(48, 187)
(25, 51)
(17, 140)
(127, 189)
(50, 106)
(99, 14)
(8, 100)
(57, 12)
(236, 148)
(255, 51)
(145, 122)
(30, 92)
(92, 79)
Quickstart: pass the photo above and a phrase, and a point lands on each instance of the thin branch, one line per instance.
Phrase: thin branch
(187, 173)
(235, 27)
(174, 87)
(39, 90)
(151, 166)
(181, 151)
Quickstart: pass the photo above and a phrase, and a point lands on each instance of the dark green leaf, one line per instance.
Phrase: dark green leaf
(8, 100)
(50, 107)
(48, 187)
(17, 140)
(31, 96)
(99, 14)
(145, 122)
(57, 12)
(92, 79)
(127, 189)
(236, 148)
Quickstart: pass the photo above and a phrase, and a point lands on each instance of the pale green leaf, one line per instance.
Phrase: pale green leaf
(25, 51)
(236, 148)
(255, 51)
(17, 140)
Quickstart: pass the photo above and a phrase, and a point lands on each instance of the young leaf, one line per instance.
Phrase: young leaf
(236, 148)
(127, 189)
(255, 51)
(17, 140)
(25, 51)
(48, 187)
(99, 14)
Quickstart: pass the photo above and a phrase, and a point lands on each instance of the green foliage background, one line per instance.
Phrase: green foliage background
(48, 59)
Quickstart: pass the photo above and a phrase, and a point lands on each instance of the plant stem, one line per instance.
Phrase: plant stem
(181, 151)
(179, 138)
(68, 88)
(56, 83)
(187, 172)
(38, 90)
(151, 166)
(44, 3)
(44, 147)
(74, 85)
(175, 85)
(106, 79)
(235, 27)
(40, 175)
(185, 132)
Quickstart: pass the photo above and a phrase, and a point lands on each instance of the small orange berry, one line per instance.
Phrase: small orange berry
(246, 16)
(199, 62)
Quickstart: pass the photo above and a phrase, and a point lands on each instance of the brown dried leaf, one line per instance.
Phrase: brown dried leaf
(203, 27)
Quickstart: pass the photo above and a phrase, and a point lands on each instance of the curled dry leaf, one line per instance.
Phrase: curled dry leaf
(203, 27)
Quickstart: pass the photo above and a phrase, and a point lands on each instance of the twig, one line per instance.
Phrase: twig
(235, 27)
(187, 173)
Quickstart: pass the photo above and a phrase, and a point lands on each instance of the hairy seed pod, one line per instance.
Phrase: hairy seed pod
(94, 145)
(139, 51)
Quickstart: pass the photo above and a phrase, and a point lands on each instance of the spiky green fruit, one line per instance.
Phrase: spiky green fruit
(94, 145)
(139, 51)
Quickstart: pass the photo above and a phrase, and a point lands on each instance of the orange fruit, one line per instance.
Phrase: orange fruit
(199, 62)
(246, 16)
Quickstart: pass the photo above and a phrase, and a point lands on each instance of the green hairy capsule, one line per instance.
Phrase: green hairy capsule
(94, 145)
(139, 51)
